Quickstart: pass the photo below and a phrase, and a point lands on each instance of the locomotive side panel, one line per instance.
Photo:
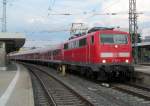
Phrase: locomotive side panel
(76, 51)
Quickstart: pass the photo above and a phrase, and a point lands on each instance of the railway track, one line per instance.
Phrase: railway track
(133, 89)
(119, 94)
(41, 97)
(58, 93)
(118, 98)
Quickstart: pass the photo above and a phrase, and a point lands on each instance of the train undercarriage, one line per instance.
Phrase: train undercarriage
(101, 72)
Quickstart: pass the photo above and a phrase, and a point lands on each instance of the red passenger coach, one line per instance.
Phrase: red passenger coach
(102, 53)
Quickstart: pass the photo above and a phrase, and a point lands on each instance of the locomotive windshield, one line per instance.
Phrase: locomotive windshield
(113, 39)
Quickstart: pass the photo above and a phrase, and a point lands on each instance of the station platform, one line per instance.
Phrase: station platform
(142, 73)
(142, 68)
(16, 87)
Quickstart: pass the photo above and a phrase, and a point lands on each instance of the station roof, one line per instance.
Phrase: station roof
(144, 44)
(14, 41)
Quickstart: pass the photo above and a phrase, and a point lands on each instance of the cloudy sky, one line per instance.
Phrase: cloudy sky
(43, 25)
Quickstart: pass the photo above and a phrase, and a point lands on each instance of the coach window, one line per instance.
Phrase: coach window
(82, 42)
(92, 39)
(49, 53)
(66, 46)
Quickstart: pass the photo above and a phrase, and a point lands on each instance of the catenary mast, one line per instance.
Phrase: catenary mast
(133, 27)
(4, 16)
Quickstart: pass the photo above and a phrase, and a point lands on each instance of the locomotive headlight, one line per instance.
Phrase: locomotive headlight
(103, 61)
(127, 61)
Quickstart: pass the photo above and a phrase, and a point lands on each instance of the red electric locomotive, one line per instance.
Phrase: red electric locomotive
(103, 53)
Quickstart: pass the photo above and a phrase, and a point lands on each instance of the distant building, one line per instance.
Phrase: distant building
(146, 39)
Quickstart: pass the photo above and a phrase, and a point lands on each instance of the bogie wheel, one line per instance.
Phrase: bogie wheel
(59, 68)
(90, 74)
(102, 76)
(83, 72)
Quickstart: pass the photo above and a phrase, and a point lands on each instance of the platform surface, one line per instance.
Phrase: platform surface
(16, 87)
(142, 68)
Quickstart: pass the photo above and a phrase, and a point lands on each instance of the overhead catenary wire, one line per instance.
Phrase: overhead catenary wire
(83, 13)
(93, 14)
(103, 9)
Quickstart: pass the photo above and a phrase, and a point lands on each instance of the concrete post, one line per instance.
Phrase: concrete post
(63, 70)
(2, 56)
(58, 69)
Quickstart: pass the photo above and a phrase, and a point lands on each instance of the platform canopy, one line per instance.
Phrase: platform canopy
(13, 41)
(144, 44)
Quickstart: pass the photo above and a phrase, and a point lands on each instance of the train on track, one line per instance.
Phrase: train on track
(102, 53)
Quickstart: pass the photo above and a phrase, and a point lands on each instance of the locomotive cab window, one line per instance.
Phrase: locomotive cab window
(114, 38)
(49, 53)
(82, 42)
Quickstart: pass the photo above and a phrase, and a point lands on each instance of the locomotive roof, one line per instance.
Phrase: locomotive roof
(94, 30)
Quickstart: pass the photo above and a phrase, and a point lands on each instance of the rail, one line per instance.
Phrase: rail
(59, 93)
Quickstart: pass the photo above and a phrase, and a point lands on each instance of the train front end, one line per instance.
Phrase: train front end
(115, 51)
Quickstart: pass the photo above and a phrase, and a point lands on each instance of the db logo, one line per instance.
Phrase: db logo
(115, 60)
